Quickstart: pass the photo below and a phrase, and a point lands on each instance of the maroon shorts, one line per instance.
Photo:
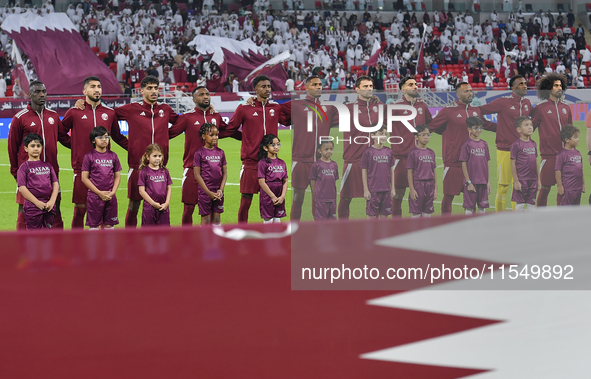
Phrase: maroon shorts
(325, 210)
(480, 197)
(152, 216)
(80, 190)
(100, 212)
(208, 206)
(268, 209)
(249, 179)
(300, 174)
(133, 190)
(424, 203)
(571, 198)
(453, 181)
(351, 183)
(527, 195)
(36, 218)
(189, 187)
(379, 204)
(547, 175)
(400, 173)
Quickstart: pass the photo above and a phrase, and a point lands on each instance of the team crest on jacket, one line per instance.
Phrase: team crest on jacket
(474, 114)
(526, 108)
(564, 110)
(324, 108)
(272, 112)
(420, 110)
(161, 113)
(52, 121)
(375, 108)
(105, 116)
(213, 121)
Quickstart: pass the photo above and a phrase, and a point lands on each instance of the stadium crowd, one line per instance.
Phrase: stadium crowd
(137, 39)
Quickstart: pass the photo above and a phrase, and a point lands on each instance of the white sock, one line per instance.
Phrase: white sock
(426, 214)
(531, 207)
(415, 216)
(269, 221)
(519, 207)
(93, 228)
(277, 219)
(481, 211)
(469, 211)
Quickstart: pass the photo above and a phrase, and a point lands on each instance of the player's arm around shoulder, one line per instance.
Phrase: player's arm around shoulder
(178, 127)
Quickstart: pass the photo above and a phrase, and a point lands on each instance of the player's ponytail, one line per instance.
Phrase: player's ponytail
(267, 140)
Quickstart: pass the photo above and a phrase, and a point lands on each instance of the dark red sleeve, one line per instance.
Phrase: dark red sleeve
(439, 123)
(285, 116)
(536, 121)
(67, 122)
(15, 141)
(490, 126)
(235, 121)
(286, 111)
(116, 135)
(173, 116)
(62, 135)
(178, 127)
(492, 107)
(237, 135)
(123, 112)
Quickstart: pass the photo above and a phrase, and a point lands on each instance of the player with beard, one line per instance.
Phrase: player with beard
(256, 120)
(408, 87)
(81, 123)
(35, 118)
(190, 123)
(147, 124)
(550, 116)
(368, 114)
(509, 108)
(450, 122)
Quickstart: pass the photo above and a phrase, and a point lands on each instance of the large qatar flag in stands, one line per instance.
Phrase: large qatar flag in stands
(242, 58)
(60, 56)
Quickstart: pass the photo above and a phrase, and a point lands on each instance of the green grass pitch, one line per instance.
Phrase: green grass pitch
(232, 193)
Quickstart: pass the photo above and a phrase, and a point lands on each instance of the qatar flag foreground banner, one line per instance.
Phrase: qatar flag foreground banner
(60, 56)
(201, 303)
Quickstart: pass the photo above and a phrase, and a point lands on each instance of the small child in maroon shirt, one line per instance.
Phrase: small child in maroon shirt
(474, 156)
(154, 184)
(323, 176)
(101, 173)
(569, 168)
(524, 166)
(38, 184)
(209, 166)
(377, 176)
(272, 173)
(421, 175)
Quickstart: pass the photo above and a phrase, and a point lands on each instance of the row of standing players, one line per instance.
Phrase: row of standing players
(148, 123)
(458, 123)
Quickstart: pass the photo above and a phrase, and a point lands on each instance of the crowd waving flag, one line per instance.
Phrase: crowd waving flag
(59, 55)
(243, 58)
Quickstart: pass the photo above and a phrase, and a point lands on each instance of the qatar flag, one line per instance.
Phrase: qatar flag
(59, 55)
(241, 58)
